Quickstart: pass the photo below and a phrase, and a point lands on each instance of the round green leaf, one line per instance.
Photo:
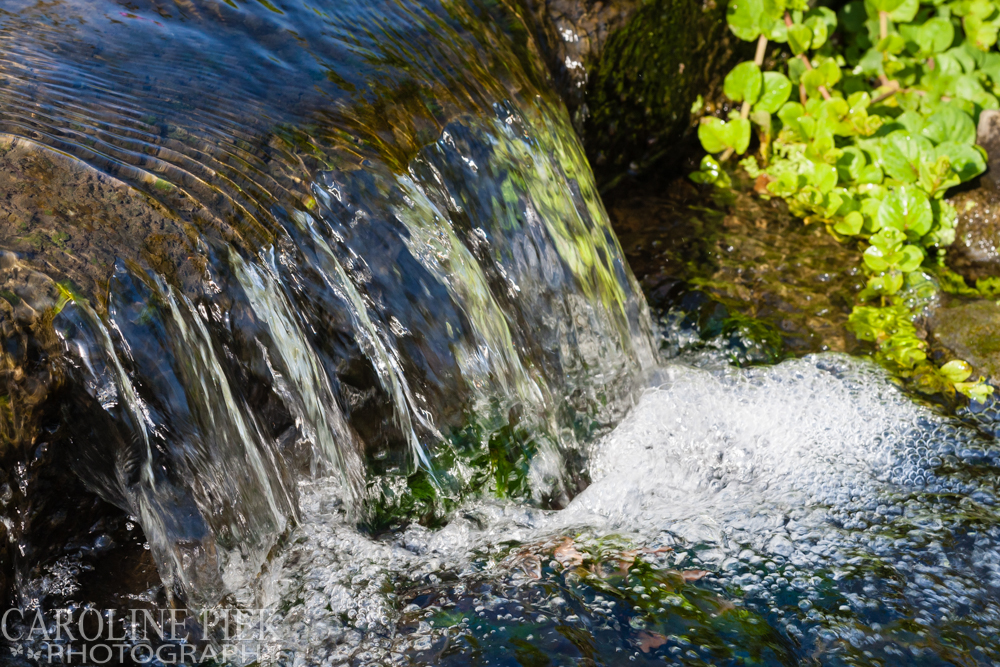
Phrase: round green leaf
(902, 153)
(982, 34)
(956, 370)
(870, 174)
(819, 30)
(851, 224)
(905, 11)
(935, 35)
(977, 391)
(828, 16)
(967, 161)
(908, 210)
(743, 17)
(713, 134)
(850, 163)
(888, 283)
(876, 6)
(739, 134)
(796, 68)
(824, 177)
(912, 121)
(912, 258)
(892, 43)
(950, 124)
(888, 239)
(773, 9)
(875, 259)
(776, 31)
(774, 93)
(791, 112)
(871, 62)
(744, 82)
(799, 38)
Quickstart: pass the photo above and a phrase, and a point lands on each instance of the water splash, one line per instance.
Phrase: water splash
(840, 521)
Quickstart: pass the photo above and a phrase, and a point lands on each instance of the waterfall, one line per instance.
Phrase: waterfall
(399, 324)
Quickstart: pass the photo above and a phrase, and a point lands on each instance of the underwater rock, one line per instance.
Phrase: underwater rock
(968, 330)
(71, 221)
(748, 259)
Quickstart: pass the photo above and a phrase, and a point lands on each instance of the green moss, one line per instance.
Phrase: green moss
(651, 72)
(498, 458)
(60, 239)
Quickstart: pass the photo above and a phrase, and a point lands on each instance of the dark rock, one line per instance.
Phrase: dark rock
(976, 251)
(572, 34)
(968, 330)
(630, 71)
(639, 95)
(988, 136)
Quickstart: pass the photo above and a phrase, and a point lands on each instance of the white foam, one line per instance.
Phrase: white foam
(794, 468)
(709, 450)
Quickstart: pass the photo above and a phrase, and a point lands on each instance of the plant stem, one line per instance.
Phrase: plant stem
(758, 60)
(883, 32)
(822, 89)
(894, 88)
(761, 49)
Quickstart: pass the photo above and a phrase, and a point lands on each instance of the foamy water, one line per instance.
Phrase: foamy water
(822, 501)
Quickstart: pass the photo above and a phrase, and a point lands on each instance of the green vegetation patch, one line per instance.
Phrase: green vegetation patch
(865, 125)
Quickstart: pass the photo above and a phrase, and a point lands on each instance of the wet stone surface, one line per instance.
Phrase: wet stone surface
(73, 222)
(968, 330)
(976, 251)
(574, 36)
(714, 257)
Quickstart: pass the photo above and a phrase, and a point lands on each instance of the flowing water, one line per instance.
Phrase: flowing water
(313, 309)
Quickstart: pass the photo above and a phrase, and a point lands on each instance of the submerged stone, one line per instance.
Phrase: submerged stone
(968, 330)
(752, 260)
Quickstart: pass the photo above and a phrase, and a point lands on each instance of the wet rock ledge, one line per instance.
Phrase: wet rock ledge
(630, 70)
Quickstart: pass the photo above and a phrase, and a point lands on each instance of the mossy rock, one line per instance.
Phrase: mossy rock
(976, 251)
(571, 35)
(968, 330)
(650, 72)
(630, 70)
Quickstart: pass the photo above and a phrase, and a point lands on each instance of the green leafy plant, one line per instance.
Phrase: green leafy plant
(863, 127)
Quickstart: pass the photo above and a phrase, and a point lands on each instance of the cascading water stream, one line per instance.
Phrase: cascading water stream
(386, 311)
